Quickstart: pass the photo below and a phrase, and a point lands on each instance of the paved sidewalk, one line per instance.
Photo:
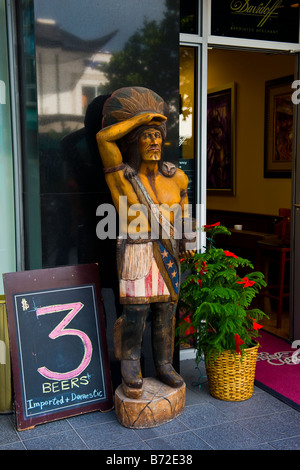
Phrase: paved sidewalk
(260, 423)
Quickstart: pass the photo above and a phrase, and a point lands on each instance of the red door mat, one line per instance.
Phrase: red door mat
(278, 368)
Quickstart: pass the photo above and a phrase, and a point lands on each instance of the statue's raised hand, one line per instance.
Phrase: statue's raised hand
(152, 119)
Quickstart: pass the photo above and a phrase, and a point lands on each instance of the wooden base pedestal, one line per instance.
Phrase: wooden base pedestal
(158, 405)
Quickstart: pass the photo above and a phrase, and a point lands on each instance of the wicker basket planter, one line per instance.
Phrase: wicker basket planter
(231, 376)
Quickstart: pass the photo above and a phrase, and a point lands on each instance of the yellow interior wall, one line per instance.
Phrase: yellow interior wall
(250, 71)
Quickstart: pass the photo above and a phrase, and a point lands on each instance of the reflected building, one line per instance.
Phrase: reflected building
(68, 75)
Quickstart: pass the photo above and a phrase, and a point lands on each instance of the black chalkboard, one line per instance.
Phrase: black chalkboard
(58, 343)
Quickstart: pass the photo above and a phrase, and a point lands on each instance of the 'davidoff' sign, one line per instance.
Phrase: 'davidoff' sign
(268, 20)
(58, 343)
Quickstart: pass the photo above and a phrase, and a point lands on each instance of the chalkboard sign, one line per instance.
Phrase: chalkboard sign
(58, 343)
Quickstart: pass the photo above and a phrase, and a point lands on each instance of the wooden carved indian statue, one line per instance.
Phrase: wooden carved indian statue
(131, 144)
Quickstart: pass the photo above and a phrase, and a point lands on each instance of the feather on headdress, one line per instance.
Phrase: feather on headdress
(130, 101)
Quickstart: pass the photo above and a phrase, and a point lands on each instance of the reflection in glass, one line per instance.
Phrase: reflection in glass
(187, 96)
(187, 146)
(83, 49)
(189, 16)
(72, 70)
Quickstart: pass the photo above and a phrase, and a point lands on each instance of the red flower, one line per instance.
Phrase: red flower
(182, 260)
(191, 330)
(246, 282)
(228, 253)
(238, 342)
(210, 226)
(200, 282)
(204, 268)
(256, 326)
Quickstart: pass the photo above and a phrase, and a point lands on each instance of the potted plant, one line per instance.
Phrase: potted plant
(216, 297)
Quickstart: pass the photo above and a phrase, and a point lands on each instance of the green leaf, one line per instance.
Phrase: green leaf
(220, 307)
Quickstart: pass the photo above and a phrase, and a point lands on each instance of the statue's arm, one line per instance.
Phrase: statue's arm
(112, 158)
(107, 137)
(182, 183)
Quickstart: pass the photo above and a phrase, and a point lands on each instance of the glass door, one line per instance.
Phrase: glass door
(262, 160)
(266, 45)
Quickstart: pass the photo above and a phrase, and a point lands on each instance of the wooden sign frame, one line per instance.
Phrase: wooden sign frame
(58, 343)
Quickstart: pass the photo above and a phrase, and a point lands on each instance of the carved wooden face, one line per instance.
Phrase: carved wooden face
(150, 143)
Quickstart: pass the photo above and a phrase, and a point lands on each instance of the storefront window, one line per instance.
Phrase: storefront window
(189, 13)
(7, 231)
(81, 50)
(187, 141)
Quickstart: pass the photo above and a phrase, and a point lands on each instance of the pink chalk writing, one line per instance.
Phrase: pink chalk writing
(61, 330)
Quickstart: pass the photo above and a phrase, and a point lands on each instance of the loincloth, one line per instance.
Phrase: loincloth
(147, 272)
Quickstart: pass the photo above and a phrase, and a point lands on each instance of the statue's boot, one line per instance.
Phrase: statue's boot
(128, 335)
(163, 331)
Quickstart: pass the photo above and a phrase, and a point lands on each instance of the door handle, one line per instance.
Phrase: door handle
(296, 205)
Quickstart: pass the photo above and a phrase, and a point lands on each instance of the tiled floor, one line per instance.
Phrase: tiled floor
(260, 423)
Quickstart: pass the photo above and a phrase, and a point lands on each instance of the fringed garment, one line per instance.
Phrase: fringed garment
(149, 270)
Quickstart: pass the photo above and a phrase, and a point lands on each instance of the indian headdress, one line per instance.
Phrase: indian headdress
(127, 102)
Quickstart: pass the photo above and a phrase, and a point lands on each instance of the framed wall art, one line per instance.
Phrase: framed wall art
(279, 118)
(221, 140)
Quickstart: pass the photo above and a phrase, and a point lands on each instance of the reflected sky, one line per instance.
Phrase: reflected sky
(67, 184)
(89, 19)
